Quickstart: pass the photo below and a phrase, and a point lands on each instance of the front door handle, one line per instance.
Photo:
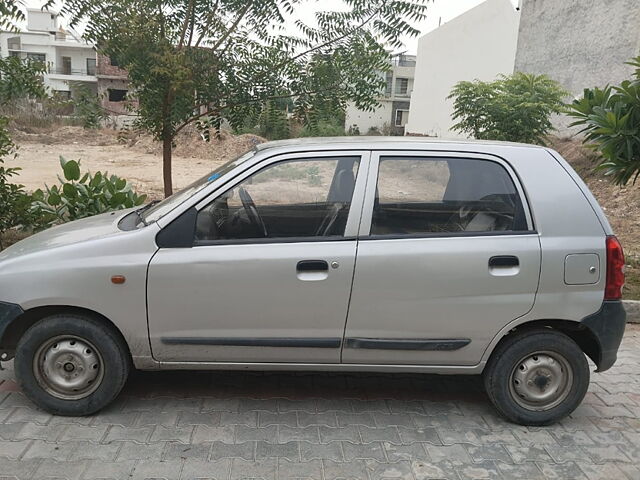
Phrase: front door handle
(504, 261)
(312, 266)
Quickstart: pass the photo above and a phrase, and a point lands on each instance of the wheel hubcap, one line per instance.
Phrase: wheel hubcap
(68, 367)
(541, 381)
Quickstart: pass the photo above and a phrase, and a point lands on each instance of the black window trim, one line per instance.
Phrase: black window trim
(267, 241)
(427, 235)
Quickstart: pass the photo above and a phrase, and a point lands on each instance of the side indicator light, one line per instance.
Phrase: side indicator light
(118, 279)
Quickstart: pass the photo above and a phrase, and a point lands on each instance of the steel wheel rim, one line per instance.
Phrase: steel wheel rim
(541, 381)
(68, 367)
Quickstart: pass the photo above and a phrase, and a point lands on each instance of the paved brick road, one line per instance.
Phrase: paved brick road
(324, 427)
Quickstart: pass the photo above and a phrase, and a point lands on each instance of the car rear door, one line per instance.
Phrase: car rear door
(239, 296)
(447, 256)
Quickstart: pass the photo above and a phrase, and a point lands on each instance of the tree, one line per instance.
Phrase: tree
(20, 79)
(514, 108)
(10, 14)
(202, 61)
(610, 118)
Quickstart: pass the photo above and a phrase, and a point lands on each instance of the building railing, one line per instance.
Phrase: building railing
(73, 71)
(403, 61)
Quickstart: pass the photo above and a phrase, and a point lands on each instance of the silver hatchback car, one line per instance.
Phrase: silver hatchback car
(349, 254)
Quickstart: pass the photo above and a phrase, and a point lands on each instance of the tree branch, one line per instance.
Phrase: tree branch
(337, 39)
(207, 23)
(185, 24)
(233, 27)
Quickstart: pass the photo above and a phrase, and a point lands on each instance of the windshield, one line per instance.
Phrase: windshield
(160, 209)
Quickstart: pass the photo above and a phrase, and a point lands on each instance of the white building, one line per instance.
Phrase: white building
(68, 58)
(393, 113)
(479, 44)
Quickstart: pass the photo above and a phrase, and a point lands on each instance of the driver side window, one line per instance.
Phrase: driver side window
(289, 199)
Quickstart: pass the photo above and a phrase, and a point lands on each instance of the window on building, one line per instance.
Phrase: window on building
(116, 95)
(113, 62)
(402, 86)
(389, 80)
(13, 43)
(37, 57)
(14, 54)
(66, 66)
(62, 94)
(402, 116)
(419, 195)
(91, 66)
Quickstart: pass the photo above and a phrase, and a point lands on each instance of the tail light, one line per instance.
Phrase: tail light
(615, 269)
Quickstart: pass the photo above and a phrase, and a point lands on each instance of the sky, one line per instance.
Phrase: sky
(438, 11)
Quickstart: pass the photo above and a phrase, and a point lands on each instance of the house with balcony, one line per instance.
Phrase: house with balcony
(70, 60)
(393, 113)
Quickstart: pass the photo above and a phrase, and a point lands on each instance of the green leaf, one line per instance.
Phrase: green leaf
(70, 190)
(54, 199)
(71, 170)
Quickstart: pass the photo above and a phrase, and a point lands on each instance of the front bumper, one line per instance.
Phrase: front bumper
(607, 327)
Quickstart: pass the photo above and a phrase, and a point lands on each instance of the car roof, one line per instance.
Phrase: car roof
(379, 142)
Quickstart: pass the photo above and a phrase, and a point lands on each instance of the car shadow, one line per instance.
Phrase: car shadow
(307, 385)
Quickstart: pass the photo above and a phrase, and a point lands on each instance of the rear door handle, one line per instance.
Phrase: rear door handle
(504, 261)
(312, 266)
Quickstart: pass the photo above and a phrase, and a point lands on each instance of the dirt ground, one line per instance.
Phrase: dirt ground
(138, 158)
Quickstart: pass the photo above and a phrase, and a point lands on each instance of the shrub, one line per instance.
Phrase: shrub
(86, 106)
(323, 128)
(514, 108)
(610, 118)
(14, 202)
(80, 196)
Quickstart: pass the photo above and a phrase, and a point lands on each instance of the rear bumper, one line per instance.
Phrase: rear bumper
(607, 326)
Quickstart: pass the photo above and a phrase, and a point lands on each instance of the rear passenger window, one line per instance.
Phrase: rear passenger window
(428, 195)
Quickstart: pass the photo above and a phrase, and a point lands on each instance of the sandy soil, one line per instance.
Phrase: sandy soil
(40, 164)
(134, 157)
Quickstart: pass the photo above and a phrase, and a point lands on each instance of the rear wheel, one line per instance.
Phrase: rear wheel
(71, 364)
(537, 377)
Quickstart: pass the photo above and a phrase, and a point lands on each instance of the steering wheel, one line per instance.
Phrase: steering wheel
(252, 212)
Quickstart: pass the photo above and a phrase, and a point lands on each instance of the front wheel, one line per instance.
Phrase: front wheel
(71, 365)
(537, 377)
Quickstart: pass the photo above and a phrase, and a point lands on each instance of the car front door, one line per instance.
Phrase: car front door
(447, 256)
(269, 274)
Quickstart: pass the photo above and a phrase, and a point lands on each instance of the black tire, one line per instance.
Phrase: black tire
(71, 329)
(521, 351)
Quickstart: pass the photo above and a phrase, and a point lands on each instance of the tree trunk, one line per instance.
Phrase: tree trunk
(166, 165)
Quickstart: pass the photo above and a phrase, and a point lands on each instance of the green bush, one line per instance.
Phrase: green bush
(514, 108)
(80, 196)
(610, 118)
(86, 106)
(14, 201)
(323, 128)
